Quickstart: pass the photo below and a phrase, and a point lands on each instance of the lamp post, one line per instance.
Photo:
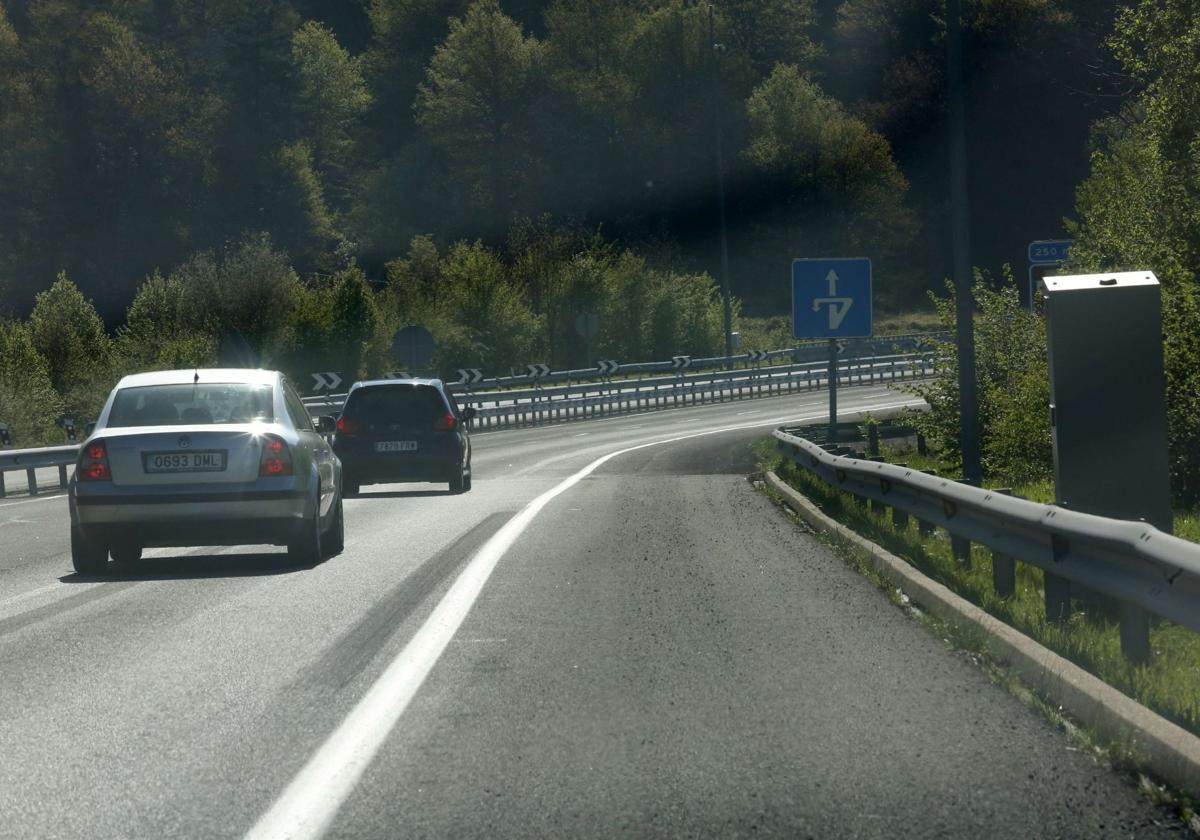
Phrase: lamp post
(960, 230)
(717, 49)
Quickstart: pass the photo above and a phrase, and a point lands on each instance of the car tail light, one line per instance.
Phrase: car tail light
(446, 423)
(346, 426)
(276, 457)
(93, 463)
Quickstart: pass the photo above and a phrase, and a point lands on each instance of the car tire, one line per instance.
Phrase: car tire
(335, 537)
(305, 549)
(467, 481)
(87, 556)
(350, 488)
(126, 553)
(458, 484)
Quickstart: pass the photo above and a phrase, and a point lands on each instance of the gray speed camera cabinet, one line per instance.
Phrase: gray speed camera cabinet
(1108, 411)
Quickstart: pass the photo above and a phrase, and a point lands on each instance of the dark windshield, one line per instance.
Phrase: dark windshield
(202, 405)
(416, 404)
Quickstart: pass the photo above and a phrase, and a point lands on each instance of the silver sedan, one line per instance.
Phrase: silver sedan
(205, 457)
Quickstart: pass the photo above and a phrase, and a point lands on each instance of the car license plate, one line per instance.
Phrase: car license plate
(205, 460)
(396, 446)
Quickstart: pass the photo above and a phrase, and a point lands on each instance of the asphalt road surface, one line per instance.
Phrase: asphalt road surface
(642, 646)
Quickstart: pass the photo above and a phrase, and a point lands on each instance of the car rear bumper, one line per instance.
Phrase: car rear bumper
(371, 467)
(191, 517)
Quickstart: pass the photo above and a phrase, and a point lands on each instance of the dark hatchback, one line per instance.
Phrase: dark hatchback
(398, 430)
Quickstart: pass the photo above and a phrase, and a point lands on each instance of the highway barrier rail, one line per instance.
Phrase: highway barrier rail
(31, 460)
(1141, 569)
(507, 407)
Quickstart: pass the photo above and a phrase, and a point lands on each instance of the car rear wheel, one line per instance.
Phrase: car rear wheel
(87, 556)
(460, 483)
(126, 553)
(335, 537)
(305, 549)
(350, 488)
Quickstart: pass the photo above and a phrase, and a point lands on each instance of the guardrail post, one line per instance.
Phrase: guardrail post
(62, 476)
(31, 474)
(960, 548)
(877, 506)
(2, 491)
(1057, 589)
(873, 439)
(1135, 633)
(1004, 566)
(922, 448)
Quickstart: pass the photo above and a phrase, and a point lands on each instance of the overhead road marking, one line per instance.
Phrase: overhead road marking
(309, 804)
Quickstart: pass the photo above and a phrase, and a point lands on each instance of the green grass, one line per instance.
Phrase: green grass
(1169, 684)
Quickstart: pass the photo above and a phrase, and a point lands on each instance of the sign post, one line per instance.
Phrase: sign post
(1046, 256)
(831, 299)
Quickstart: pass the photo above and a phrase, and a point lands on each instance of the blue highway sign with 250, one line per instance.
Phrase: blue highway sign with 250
(1049, 250)
(831, 298)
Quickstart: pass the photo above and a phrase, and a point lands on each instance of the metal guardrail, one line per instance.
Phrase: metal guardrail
(535, 406)
(802, 353)
(1141, 568)
(31, 460)
(506, 409)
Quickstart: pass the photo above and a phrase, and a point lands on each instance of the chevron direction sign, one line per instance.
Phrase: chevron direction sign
(607, 366)
(757, 355)
(397, 374)
(539, 370)
(681, 362)
(469, 376)
(327, 381)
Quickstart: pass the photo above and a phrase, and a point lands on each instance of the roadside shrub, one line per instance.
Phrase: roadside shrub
(28, 402)
(68, 333)
(1013, 385)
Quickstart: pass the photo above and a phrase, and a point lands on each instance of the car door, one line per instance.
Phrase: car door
(315, 443)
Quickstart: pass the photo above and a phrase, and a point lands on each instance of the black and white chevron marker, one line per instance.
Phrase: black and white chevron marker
(327, 381)
(469, 376)
(757, 355)
(397, 374)
(607, 366)
(681, 362)
(538, 371)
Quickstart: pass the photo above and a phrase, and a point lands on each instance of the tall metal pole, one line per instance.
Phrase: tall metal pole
(833, 383)
(961, 236)
(717, 49)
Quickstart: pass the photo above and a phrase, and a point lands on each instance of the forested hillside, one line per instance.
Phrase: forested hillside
(136, 134)
(312, 176)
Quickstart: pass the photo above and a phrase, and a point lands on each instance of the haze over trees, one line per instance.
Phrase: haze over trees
(311, 176)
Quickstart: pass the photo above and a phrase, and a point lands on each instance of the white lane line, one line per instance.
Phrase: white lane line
(756, 411)
(31, 501)
(581, 434)
(308, 805)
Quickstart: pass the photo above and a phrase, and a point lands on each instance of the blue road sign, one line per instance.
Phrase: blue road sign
(831, 298)
(1049, 250)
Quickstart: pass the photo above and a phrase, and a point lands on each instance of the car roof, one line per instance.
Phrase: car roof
(224, 376)
(434, 383)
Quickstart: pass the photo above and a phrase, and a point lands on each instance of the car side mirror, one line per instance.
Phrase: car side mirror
(469, 413)
(326, 425)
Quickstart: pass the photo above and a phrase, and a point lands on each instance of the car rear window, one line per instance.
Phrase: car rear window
(397, 403)
(203, 404)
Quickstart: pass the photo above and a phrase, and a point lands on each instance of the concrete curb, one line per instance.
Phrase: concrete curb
(1167, 750)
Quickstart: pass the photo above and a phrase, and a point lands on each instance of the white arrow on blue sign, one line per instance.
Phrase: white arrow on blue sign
(831, 298)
